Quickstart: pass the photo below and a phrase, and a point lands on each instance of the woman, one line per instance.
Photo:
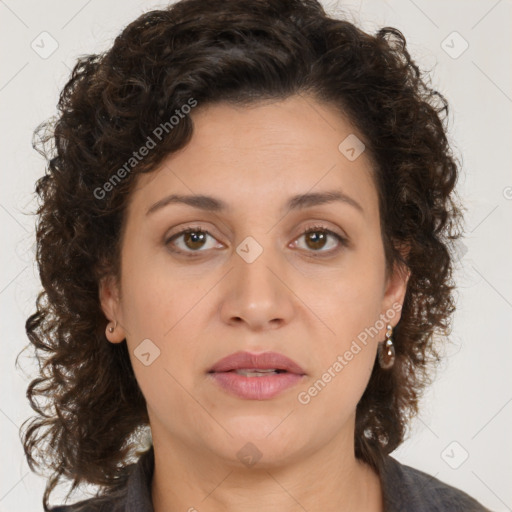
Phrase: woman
(243, 242)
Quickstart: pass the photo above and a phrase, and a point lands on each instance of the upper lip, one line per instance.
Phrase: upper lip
(263, 361)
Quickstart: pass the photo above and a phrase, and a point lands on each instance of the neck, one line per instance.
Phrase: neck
(329, 480)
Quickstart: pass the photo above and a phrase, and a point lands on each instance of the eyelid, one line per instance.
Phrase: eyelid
(189, 229)
(342, 239)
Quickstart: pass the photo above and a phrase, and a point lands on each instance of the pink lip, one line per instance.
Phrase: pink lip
(256, 388)
(266, 360)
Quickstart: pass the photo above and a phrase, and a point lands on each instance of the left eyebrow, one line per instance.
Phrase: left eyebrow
(298, 202)
(302, 201)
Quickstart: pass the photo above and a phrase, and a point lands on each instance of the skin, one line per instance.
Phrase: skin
(309, 308)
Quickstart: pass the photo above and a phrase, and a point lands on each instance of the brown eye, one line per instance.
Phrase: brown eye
(190, 240)
(194, 239)
(317, 238)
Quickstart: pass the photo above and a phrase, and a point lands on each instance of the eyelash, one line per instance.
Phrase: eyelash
(313, 229)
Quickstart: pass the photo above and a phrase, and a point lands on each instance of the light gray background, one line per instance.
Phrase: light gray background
(468, 411)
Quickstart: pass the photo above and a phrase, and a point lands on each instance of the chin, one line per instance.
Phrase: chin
(263, 441)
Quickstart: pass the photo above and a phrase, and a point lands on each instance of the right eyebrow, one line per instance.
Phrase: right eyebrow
(201, 202)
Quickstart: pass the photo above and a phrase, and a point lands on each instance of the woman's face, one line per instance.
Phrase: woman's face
(255, 282)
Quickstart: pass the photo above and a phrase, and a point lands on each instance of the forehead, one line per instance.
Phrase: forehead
(261, 154)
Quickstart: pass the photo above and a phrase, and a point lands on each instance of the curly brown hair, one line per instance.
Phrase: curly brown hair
(238, 51)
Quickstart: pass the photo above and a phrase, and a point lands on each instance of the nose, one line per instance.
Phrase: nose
(257, 294)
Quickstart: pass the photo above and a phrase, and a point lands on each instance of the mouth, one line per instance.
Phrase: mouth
(257, 365)
(260, 372)
(256, 376)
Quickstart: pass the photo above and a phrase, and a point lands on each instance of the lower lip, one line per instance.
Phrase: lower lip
(256, 388)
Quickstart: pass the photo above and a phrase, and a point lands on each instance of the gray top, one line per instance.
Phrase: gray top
(405, 489)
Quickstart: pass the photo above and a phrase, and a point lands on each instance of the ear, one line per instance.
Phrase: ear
(394, 292)
(110, 304)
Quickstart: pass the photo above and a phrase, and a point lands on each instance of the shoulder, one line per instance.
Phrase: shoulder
(99, 504)
(133, 496)
(409, 489)
(90, 505)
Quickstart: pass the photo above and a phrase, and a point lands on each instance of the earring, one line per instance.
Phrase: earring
(387, 351)
(112, 329)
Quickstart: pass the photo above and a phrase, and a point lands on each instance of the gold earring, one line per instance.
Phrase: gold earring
(387, 351)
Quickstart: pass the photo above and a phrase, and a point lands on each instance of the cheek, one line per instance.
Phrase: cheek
(329, 399)
(345, 362)
(350, 307)
(152, 303)
(163, 311)
(159, 320)
(352, 300)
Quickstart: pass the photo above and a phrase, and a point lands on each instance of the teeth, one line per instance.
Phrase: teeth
(255, 372)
